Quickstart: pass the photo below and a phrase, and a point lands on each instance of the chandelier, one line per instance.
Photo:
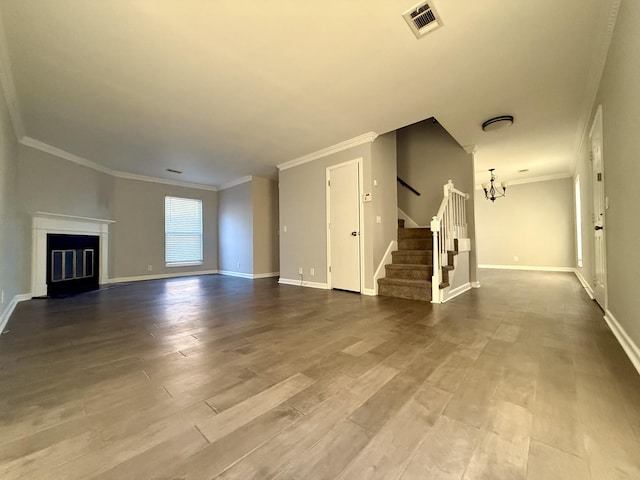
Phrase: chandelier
(492, 191)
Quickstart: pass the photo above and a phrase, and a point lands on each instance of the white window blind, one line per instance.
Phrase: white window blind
(182, 231)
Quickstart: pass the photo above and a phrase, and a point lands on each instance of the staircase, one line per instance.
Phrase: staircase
(409, 275)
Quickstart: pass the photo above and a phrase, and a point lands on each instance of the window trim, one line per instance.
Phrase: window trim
(188, 263)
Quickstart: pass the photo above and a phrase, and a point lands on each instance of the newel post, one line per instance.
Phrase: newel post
(435, 279)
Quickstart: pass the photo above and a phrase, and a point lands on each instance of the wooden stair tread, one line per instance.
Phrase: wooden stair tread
(417, 266)
(410, 274)
(404, 282)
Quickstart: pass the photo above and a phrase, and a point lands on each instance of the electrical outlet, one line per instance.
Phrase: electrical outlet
(299, 270)
(378, 219)
(149, 268)
(312, 271)
(515, 259)
(285, 229)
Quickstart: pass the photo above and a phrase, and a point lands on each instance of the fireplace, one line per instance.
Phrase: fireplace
(72, 264)
(78, 266)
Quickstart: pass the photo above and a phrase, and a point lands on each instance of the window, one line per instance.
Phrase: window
(578, 222)
(182, 231)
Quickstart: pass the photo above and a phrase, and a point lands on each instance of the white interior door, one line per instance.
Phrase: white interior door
(599, 207)
(343, 193)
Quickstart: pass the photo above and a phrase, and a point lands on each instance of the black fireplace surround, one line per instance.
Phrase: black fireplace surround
(72, 264)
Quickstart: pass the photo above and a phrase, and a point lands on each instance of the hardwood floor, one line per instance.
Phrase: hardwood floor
(220, 377)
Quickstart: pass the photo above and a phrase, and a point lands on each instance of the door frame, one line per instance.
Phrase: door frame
(359, 162)
(598, 124)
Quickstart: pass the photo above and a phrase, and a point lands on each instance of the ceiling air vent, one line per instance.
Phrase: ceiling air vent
(422, 18)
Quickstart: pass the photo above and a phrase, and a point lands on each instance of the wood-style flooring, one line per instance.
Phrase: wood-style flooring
(220, 377)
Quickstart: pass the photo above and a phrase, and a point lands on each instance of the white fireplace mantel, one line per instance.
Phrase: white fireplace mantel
(45, 223)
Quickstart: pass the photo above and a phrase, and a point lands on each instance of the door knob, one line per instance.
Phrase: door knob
(598, 227)
(354, 234)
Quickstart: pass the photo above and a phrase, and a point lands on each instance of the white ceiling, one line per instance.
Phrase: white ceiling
(223, 89)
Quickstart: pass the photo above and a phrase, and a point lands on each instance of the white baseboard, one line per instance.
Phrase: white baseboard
(297, 283)
(387, 258)
(529, 267)
(251, 276)
(585, 284)
(160, 276)
(629, 346)
(231, 273)
(266, 275)
(372, 292)
(6, 314)
(465, 287)
(475, 284)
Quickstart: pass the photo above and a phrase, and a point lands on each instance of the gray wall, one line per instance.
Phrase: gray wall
(51, 184)
(235, 217)
(266, 248)
(620, 98)
(428, 157)
(14, 226)
(385, 194)
(303, 212)
(137, 237)
(534, 222)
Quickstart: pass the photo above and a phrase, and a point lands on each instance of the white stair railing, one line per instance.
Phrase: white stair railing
(449, 224)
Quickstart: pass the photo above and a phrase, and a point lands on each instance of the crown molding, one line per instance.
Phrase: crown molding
(58, 152)
(237, 181)
(522, 181)
(594, 77)
(8, 85)
(164, 181)
(338, 147)
(470, 149)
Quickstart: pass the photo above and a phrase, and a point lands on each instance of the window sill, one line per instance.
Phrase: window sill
(183, 264)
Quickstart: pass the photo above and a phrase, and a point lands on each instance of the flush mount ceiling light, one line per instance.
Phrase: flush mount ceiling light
(491, 191)
(496, 123)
